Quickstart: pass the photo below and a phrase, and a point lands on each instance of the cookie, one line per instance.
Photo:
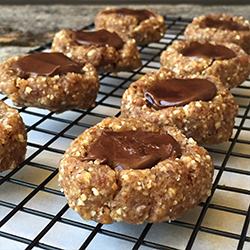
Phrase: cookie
(144, 26)
(49, 81)
(137, 183)
(221, 28)
(227, 61)
(104, 49)
(200, 106)
(13, 138)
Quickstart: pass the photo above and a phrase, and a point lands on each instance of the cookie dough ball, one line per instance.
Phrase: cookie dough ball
(49, 81)
(226, 61)
(198, 105)
(104, 49)
(13, 137)
(135, 182)
(144, 26)
(221, 28)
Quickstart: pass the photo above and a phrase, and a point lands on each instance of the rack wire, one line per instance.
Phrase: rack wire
(34, 214)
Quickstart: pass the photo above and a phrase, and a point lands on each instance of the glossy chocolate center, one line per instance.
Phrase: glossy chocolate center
(99, 38)
(132, 149)
(45, 64)
(222, 24)
(178, 92)
(140, 15)
(207, 50)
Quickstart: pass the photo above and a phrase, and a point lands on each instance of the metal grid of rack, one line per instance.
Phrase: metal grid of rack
(34, 213)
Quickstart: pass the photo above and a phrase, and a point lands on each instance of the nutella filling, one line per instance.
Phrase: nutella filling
(45, 64)
(140, 15)
(99, 38)
(207, 50)
(132, 149)
(178, 92)
(222, 24)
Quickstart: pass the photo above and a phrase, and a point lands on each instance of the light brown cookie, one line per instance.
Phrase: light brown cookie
(221, 28)
(162, 191)
(105, 50)
(144, 26)
(57, 83)
(206, 121)
(13, 137)
(227, 61)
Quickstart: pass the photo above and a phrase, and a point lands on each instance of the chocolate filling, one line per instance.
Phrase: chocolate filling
(45, 64)
(222, 24)
(132, 149)
(140, 15)
(178, 92)
(98, 38)
(207, 50)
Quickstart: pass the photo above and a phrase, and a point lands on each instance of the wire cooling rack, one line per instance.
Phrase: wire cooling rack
(34, 213)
